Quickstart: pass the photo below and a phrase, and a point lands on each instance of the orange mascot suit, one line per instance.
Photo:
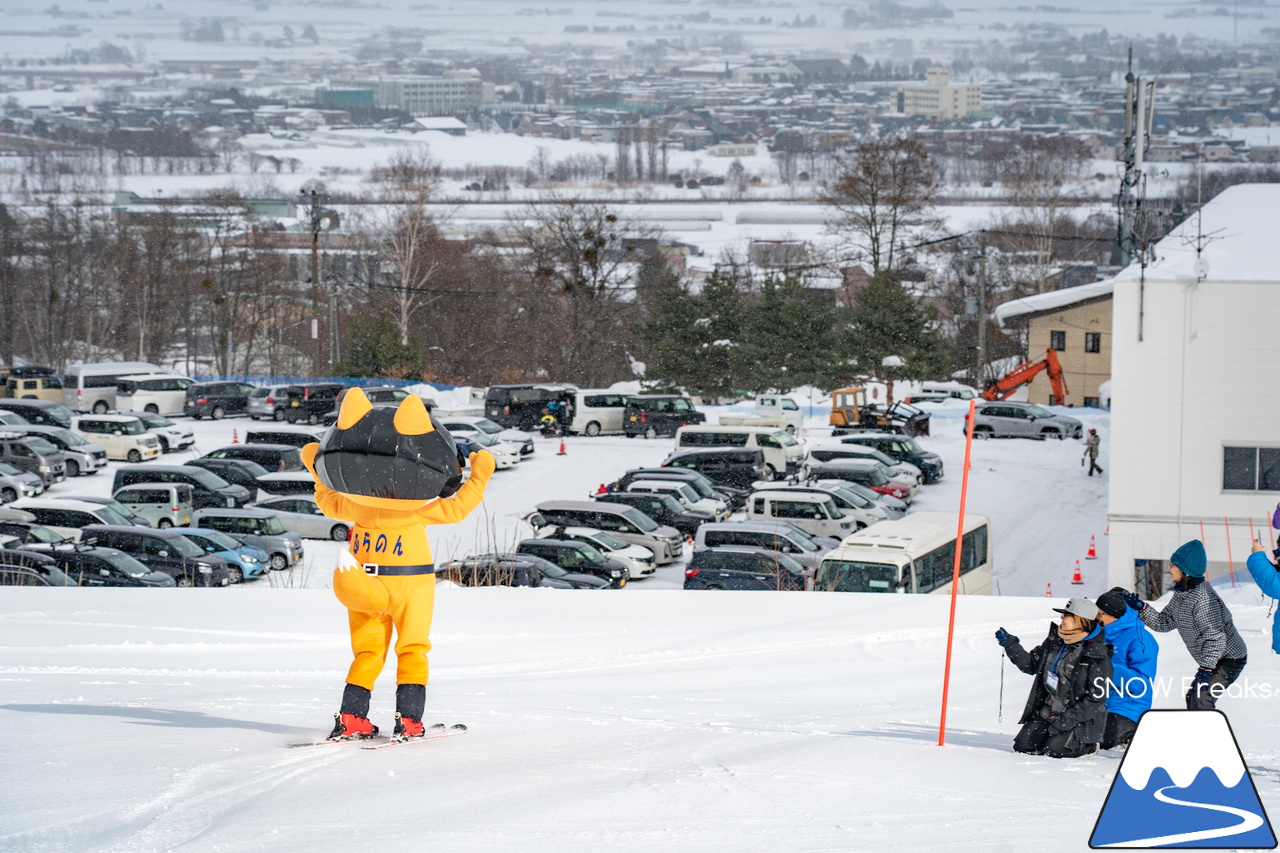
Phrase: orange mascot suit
(389, 472)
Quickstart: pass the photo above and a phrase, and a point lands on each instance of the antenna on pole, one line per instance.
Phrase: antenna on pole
(1139, 116)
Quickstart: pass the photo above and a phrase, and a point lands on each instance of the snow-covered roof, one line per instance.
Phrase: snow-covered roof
(441, 123)
(1240, 225)
(1063, 298)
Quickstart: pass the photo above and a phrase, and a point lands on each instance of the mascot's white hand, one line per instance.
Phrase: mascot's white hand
(347, 562)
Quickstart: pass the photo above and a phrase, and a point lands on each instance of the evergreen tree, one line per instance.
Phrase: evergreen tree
(887, 320)
(374, 348)
(694, 342)
(791, 338)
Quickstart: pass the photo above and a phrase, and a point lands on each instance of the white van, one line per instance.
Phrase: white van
(946, 391)
(904, 471)
(162, 394)
(162, 504)
(92, 387)
(125, 438)
(913, 554)
(815, 514)
(596, 410)
(783, 453)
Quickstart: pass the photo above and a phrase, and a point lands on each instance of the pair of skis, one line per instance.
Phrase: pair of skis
(432, 732)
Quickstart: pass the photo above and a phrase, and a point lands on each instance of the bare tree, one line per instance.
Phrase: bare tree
(880, 197)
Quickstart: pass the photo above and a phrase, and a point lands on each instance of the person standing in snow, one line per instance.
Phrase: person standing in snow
(1133, 666)
(1203, 621)
(1091, 446)
(1066, 712)
(1267, 577)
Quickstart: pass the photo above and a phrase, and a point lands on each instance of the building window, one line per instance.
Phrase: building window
(1092, 401)
(1058, 340)
(1054, 401)
(1251, 469)
(1093, 342)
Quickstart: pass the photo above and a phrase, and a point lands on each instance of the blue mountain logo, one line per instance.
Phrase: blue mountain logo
(1183, 783)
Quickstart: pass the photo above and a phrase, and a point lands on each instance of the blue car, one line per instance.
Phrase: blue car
(247, 561)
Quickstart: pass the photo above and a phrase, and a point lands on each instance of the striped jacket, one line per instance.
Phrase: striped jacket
(1204, 622)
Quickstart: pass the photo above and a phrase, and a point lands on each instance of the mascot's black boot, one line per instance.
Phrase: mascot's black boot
(352, 722)
(411, 699)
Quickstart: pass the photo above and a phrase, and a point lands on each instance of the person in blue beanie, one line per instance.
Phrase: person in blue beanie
(1267, 577)
(1133, 664)
(1203, 621)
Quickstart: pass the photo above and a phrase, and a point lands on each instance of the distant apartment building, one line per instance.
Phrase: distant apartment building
(420, 96)
(937, 98)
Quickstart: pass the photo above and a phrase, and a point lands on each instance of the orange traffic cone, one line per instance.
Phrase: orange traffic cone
(1093, 550)
(1075, 578)
(1107, 532)
(1048, 590)
(561, 452)
(235, 437)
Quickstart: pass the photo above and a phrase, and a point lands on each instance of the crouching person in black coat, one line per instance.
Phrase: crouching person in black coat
(1066, 713)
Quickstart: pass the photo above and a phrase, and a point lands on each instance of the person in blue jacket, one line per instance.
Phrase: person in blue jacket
(1267, 577)
(1133, 664)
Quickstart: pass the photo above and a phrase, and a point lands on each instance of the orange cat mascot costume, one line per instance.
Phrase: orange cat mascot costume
(390, 472)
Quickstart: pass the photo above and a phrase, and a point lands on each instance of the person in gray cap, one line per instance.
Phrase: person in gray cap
(1066, 712)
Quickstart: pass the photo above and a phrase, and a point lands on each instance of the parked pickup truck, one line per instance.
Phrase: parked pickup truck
(770, 411)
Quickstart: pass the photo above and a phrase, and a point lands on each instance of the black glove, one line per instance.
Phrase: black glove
(1131, 599)
(1202, 679)
(1004, 638)
(1046, 713)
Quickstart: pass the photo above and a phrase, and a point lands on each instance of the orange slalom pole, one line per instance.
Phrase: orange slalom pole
(955, 575)
(1230, 562)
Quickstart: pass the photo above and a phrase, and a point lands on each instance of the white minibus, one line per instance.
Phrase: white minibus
(783, 453)
(92, 387)
(915, 553)
(162, 394)
(596, 410)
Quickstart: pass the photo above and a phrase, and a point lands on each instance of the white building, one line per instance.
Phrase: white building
(937, 98)
(422, 96)
(1195, 423)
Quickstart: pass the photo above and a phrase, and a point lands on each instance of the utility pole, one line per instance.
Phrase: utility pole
(1139, 113)
(319, 218)
(976, 306)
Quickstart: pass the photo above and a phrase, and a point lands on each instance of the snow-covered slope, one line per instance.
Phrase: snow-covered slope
(148, 721)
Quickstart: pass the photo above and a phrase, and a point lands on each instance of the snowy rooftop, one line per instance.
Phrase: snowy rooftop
(1038, 302)
(1237, 230)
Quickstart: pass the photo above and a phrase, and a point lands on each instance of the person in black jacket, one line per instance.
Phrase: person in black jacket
(1066, 713)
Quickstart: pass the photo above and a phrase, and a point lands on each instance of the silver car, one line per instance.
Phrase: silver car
(301, 514)
(268, 402)
(16, 483)
(1022, 420)
(255, 527)
(465, 427)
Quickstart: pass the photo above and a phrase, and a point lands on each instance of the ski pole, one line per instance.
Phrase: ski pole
(1000, 710)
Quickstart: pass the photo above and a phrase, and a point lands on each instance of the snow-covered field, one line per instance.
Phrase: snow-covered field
(644, 719)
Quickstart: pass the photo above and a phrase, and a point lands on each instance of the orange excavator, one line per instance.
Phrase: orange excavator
(1004, 387)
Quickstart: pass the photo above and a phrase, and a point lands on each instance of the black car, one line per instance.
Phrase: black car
(576, 557)
(27, 568)
(738, 467)
(165, 551)
(273, 457)
(652, 415)
(522, 406)
(702, 484)
(517, 570)
(44, 412)
(743, 567)
(380, 395)
(216, 399)
(663, 509)
(207, 488)
(93, 566)
(238, 472)
(902, 449)
(310, 403)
